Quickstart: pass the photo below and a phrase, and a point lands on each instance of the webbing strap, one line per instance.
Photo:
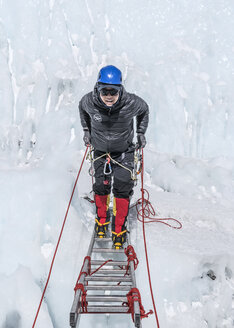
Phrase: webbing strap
(101, 224)
(118, 234)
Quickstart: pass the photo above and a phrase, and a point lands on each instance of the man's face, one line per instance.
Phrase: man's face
(109, 96)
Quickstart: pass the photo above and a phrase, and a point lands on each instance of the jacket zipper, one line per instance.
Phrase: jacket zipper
(108, 145)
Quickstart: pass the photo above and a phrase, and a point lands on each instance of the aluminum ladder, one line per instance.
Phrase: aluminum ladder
(108, 287)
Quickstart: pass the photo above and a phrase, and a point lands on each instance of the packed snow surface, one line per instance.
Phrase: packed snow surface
(178, 56)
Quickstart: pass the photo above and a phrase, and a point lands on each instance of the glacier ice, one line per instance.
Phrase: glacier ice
(179, 57)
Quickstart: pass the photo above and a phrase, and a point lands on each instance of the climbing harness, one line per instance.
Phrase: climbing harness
(107, 165)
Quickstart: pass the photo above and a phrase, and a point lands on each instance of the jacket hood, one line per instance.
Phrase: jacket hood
(119, 104)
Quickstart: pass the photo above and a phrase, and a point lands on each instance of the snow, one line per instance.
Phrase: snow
(179, 57)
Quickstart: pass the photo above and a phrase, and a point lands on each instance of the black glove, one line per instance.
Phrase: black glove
(141, 141)
(87, 138)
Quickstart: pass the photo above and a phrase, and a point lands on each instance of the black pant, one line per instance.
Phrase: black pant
(122, 181)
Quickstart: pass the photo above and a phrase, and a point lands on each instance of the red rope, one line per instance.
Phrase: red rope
(87, 273)
(131, 255)
(100, 267)
(80, 286)
(135, 296)
(84, 303)
(144, 215)
(144, 236)
(147, 210)
(60, 235)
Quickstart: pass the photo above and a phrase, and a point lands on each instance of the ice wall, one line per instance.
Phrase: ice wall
(178, 55)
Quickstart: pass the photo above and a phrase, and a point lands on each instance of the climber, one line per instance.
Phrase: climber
(107, 115)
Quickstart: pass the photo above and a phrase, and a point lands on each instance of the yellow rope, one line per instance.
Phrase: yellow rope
(124, 167)
(97, 158)
(133, 177)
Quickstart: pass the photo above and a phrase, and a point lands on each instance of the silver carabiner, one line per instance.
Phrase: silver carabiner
(107, 168)
(91, 170)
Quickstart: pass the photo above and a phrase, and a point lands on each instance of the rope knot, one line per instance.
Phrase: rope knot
(135, 296)
(84, 303)
(131, 255)
(88, 272)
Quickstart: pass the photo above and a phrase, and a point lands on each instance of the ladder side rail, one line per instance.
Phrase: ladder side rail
(137, 313)
(75, 309)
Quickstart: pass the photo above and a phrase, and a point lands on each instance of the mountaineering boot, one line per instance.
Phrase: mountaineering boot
(100, 229)
(119, 239)
(102, 219)
(119, 221)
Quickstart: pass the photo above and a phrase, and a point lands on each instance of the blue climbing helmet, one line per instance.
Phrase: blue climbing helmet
(110, 75)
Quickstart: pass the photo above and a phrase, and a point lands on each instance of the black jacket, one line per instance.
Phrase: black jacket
(111, 128)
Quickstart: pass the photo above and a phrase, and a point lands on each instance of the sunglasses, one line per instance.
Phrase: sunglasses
(106, 92)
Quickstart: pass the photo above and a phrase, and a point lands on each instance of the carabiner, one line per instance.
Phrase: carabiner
(107, 167)
(91, 170)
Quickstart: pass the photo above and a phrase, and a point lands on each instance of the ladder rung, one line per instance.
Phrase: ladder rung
(107, 250)
(106, 298)
(106, 239)
(111, 271)
(107, 309)
(109, 287)
(107, 278)
(112, 263)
